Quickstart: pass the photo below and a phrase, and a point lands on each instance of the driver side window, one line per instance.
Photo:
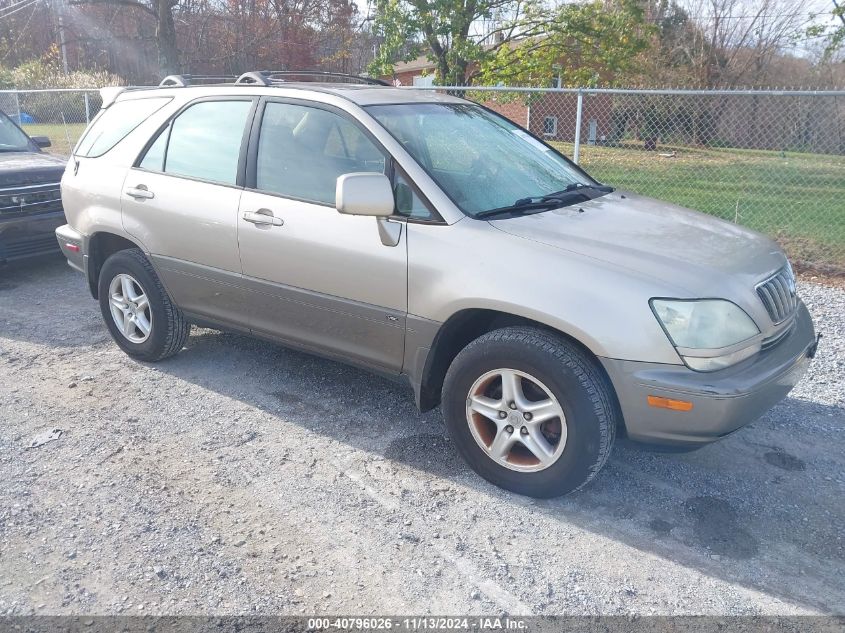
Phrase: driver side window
(302, 150)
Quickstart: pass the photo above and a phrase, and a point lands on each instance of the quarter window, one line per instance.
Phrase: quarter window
(115, 123)
(408, 203)
(203, 142)
(302, 151)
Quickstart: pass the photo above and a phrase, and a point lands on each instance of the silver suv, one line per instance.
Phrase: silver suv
(424, 236)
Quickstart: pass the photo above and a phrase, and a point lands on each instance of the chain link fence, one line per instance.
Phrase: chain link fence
(60, 115)
(770, 160)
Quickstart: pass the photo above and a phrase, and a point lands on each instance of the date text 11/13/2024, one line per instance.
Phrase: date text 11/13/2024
(477, 623)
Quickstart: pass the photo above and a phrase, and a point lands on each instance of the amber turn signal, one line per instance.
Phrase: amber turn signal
(668, 403)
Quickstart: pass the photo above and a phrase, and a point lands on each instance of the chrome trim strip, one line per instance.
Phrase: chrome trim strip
(4, 191)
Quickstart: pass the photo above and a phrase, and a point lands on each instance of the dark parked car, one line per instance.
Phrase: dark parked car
(30, 198)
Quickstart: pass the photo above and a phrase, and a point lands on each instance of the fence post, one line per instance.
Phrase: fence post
(576, 153)
(87, 109)
(18, 106)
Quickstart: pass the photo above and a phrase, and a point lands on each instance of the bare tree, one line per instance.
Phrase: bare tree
(162, 12)
(737, 39)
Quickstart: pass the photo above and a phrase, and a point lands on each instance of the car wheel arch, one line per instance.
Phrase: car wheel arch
(102, 245)
(462, 328)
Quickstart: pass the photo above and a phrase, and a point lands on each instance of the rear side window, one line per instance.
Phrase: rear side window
(115, 123)
(203, 142)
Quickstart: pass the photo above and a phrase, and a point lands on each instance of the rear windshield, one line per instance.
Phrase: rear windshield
(115, 123)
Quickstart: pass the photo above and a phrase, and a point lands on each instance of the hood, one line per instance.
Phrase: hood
(29, 168)
(683, 249)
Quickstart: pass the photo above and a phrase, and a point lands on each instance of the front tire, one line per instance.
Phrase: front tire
(140, 316)
(530, 412)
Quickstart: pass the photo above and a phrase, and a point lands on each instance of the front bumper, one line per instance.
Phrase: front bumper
(29, 236)
(723, 401)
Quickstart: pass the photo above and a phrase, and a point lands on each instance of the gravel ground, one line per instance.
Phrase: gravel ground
(239, 477)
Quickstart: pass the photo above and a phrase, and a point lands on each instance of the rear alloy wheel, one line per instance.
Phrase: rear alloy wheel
(530, 411)
(130, 308)
(139, 314)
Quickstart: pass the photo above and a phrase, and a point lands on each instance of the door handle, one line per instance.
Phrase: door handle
(263, 217)
(140, 193)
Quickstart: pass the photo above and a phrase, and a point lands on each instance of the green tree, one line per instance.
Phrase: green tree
(581, 45)
(528, 39)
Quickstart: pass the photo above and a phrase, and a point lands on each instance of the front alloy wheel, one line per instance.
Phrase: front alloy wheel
(516, 419)
(530, 411)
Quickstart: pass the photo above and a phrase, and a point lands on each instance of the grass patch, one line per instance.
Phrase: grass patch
(63, 137)
(796, 198)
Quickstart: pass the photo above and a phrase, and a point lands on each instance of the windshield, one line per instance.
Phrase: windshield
(481, 160)
(11, 137)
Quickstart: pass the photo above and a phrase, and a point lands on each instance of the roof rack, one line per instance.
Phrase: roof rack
(254, 78)
(320, 74)
(270, 77)
(174, 81)
(181, 81)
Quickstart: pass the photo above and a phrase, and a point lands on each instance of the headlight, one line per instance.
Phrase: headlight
(708, 333)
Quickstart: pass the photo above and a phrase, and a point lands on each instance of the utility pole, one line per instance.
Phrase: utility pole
(58, 12)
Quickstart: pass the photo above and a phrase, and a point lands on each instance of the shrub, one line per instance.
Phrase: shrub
(54, 107)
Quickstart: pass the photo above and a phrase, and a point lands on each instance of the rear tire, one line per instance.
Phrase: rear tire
(530, 411)
(139, 314)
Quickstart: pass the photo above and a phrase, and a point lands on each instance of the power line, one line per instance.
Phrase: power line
(22, 32)
(13, 5)
(28, 4)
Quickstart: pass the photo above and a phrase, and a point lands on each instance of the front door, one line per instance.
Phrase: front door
(181, 201)
(313, 276)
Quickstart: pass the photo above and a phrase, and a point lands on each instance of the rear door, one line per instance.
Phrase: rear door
(181, 201)
(315, 277)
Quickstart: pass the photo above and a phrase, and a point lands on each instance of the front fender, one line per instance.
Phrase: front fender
(471, 265)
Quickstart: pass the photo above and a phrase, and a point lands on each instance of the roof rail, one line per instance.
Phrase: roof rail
(282, 75)
(181, 81)
(269, 78)
(175, 81)
(253, 78)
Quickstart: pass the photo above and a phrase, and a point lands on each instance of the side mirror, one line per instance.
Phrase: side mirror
(41, 141)
(364, 194)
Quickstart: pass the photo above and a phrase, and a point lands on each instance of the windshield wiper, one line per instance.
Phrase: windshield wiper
(574, 187)
(522, 206)
(573, 193)
(584, 185)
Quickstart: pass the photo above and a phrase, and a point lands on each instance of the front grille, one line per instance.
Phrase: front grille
(778, 294)
(30, 200)
(27, 246)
